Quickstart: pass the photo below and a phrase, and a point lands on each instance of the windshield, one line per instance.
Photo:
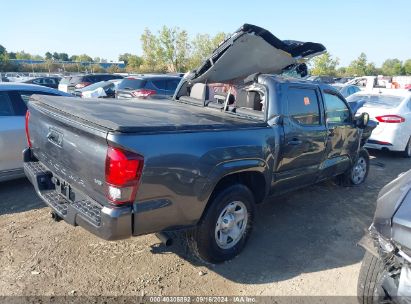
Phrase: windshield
(377, 100)
(132, 84)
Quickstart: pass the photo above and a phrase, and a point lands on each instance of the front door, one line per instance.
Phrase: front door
(343, 136)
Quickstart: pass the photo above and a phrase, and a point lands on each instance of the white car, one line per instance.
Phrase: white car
(392, 110)
(13, 100)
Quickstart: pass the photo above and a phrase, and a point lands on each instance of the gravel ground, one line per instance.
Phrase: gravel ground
(302, 244)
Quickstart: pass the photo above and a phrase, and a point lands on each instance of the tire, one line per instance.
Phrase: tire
(353, 177)
(407, 151)
(368, 289)
(207, 240)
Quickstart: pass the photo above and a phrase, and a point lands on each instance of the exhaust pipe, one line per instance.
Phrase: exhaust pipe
(56, 217)
(165, 238)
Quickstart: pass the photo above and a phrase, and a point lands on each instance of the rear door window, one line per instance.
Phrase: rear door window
(132, 84)
(336, 110)
(171, 85)
(6, 108)
(303, 107)
(159, 83)
(19, 105)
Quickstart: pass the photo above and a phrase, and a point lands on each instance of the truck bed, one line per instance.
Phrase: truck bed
(142, 115)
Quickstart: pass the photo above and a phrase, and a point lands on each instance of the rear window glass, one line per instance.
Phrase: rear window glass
(374, 101)
(172, 84)
(132, 84)
(159, 83)
(5, 105)
(303, 106)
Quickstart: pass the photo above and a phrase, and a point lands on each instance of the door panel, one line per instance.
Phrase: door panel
(305, 135)
(12, 142)
(343, 136)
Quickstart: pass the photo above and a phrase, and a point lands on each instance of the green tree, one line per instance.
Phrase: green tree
(407, 67)
(48, 56)
(151, 57)
(12, 55)
(64, 56)
(392, 67)
(203, 46)
(36, 57)
(132, 62)
(2, 50)
(324, 65)
(84, 58)
(56, 56)
(167, 51)
(23, 55)
(358, 67)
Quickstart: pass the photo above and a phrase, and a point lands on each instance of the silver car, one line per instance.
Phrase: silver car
(13, 100)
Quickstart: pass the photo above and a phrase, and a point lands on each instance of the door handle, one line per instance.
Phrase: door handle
(295, 142)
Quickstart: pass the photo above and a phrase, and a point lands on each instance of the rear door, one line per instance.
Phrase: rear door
(342, 136)
(303, 147)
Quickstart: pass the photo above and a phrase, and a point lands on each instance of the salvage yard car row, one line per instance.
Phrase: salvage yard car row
(198, 153)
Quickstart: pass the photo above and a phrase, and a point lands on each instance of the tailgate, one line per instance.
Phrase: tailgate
(73, 150)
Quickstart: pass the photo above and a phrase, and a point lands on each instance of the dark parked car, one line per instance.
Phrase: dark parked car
(148, 86)
(385, 275)
(51, 82)
(70, 83)
(122, 169)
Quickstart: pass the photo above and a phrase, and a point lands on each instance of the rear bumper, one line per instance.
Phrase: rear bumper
(105, 222)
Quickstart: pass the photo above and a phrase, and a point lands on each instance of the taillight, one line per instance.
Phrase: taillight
(142, 93)
(390, 118)
(123, 173)
(82, 85)
(27, 129)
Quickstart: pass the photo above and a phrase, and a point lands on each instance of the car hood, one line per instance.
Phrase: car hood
(252, 49)
(392, 217)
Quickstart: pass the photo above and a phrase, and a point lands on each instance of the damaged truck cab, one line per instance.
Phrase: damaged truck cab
(200, 161)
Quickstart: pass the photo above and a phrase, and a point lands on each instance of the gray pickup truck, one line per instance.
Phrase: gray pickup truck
(128, 168)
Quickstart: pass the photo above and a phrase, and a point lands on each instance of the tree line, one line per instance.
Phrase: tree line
(171, 50)
(326, 65)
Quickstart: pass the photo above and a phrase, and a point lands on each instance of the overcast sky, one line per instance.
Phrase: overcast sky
(381, 29)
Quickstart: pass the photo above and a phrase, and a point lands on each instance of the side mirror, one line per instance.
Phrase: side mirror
(362, 120)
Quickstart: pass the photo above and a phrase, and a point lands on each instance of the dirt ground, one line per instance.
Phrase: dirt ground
(304, 244)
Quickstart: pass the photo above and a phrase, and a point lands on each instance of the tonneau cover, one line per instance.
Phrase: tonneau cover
(141, 115)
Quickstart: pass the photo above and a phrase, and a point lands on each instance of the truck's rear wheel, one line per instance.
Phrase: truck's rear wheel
(224, 229)
(368, 289)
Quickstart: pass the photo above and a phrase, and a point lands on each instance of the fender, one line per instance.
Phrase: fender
(232, 167)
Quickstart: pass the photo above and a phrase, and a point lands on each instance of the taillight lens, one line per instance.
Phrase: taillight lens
(390, 118)
(143, 93)
(123, 173)
(82, 85)
(27, 129)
